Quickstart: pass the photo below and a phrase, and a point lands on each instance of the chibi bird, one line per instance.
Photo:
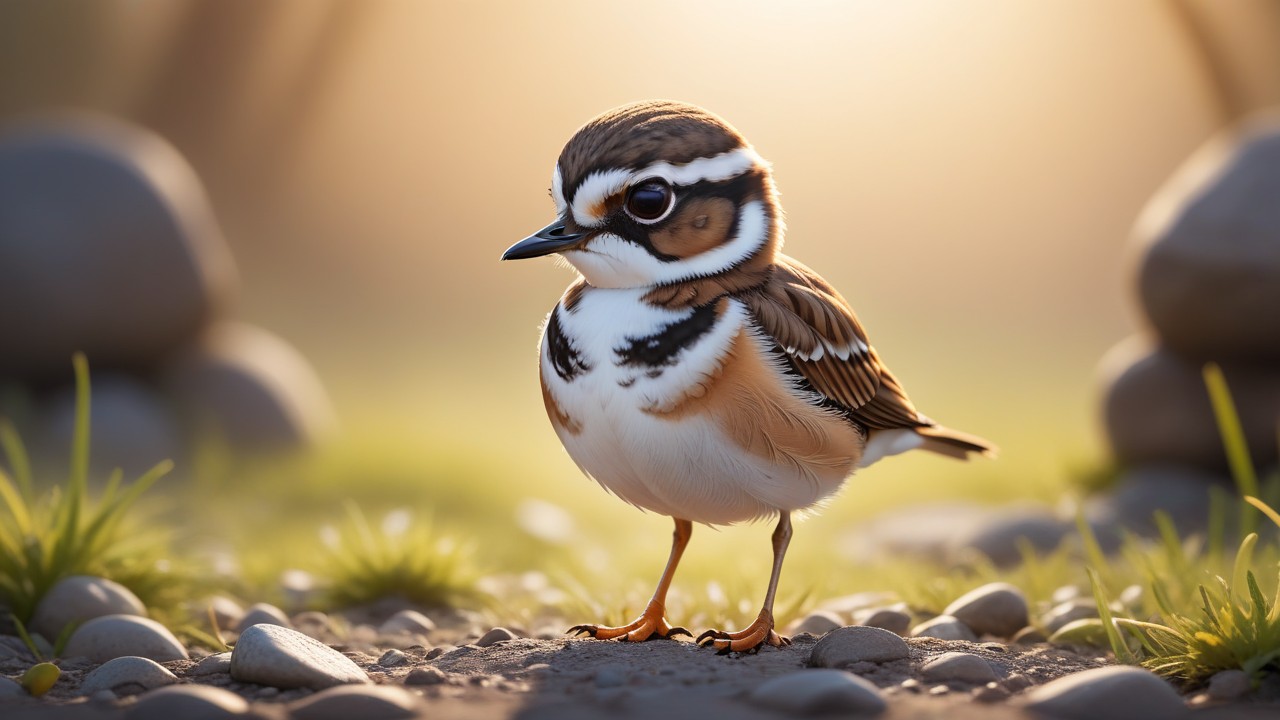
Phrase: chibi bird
(693, 370)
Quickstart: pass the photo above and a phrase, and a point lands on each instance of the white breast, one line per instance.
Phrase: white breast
(683, 467)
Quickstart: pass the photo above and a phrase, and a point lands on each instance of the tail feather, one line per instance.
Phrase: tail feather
(953, 443)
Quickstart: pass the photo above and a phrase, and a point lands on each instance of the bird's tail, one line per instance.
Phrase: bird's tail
(953, 443)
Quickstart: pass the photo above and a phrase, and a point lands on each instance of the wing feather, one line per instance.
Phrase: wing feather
(819, 333)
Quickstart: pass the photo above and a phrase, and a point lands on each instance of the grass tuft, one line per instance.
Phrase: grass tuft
(403, 558)
(63, 532)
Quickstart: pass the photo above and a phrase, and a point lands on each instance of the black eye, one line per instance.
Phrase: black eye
(650, 200)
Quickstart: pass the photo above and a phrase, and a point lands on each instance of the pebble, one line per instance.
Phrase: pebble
(990, 693)
(612, 675)
(848, 645)
(818, 623)
(1000, 538)
(1017, 682)
(494, 636)
(112, 636)
(312, 622)
(79, 598)
(998, 609)
(407, 622)
(367, 702)
(9, 687)
(1061, 614)
(1065, 593)
(895, 621)
(212, 665)
(958, 667)
(262, 613)
(939, 690)
(393, 658)
(189, 702)
(1228, 684)
(127, 671)
(817, 692)
(1119, 692)
(944, 627)
(1028, 635)
(226, 612)
(103, 697)
(278, 656)
(426, 676)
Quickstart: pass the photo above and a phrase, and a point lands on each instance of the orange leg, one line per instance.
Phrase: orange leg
(652, 623)
(761, 631)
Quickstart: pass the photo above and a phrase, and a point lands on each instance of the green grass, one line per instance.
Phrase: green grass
(1211, 612)
(62, 531)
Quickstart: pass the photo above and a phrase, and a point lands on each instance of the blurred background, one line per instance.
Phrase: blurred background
(967, 174)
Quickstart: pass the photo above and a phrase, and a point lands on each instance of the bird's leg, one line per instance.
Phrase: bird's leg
(651, 623)
(761, 631)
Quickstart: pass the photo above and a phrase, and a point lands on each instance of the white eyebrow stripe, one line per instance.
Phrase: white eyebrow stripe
(557, 190)
(603, 184)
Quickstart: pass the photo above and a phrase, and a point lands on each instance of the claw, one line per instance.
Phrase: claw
(679, 630)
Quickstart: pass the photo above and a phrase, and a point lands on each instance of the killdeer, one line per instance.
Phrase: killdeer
(693, 369)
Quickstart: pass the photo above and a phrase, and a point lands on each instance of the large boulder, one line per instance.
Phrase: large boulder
(250, 388)
(1157, 408)
(107, 246)
(1209, 279)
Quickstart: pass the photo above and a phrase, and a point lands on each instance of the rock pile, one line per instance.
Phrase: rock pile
(108, 246)
(1209, 288)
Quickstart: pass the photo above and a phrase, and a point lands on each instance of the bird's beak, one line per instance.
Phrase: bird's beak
(550, 239)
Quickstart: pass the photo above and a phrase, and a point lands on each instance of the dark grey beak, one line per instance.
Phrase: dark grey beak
(548, 240)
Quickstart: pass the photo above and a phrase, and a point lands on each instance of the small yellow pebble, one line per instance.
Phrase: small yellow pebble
(39, 678)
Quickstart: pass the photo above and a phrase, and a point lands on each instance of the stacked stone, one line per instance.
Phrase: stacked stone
(108, 246)
(1209, 286)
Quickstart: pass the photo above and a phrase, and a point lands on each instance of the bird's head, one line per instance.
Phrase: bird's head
(656, 193)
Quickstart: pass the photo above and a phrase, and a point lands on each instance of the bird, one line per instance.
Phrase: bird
(692, 369)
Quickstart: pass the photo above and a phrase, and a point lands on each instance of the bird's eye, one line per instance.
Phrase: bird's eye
(650, 200)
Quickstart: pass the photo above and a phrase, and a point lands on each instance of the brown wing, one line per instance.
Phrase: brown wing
(826, 344)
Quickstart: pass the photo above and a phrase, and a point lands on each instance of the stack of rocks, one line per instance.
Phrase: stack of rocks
(108, 246)
(1209, 285)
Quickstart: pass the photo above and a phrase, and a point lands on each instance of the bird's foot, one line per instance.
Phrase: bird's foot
(646, 627)
(754, 637)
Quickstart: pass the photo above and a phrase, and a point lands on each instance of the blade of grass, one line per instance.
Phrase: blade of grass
(1244, 560)
(16, 452)
(1233, 440)
(1265, 508)
(1118, 644)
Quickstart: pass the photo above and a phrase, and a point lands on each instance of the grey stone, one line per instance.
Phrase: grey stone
(367, 702)
(848, 645)
(496, 635)
(998, 609)
(990, 693)
(1157, 410)
(847, 605)
(131, 427)
(612, 675)
(815, 692)
(1119, 692)
(226, 612)
(999, 539)
(1065, 593)
(1059, 615)
(393, 658)
(1228, 684)
(9, 687)
(107, 246)
(958, 667)
(895, 621)
(1210, 276)
(79, 598)
(818, 623)
(251, 387)
(426, 676)
(944, 627)
(1029, 635)
(127, 673)
(1017, 682)
(112, 636)
(1181, 491)
(103, 697)
(213, 665)
(409, 622)
(284, 658)
(189, 702)
(263, 613)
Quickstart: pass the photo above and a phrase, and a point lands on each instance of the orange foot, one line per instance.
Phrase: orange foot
(649, 625)
(750, 640)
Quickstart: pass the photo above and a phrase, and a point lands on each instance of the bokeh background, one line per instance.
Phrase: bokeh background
(966, 173)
